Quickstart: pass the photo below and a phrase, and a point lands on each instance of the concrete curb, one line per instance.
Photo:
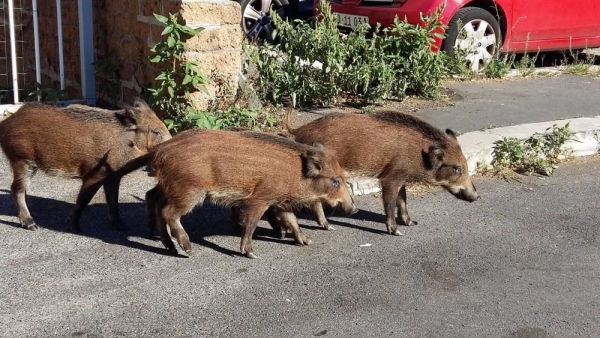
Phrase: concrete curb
(478, 146)
(593, 70)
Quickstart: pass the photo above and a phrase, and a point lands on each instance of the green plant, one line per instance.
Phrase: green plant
(368, 109)
(526, 65)
(578, 65)
(245, 118)
(539, 154)
(178, 78)
(108, 70)
(48, 94)
(371, 64)
(499, 65)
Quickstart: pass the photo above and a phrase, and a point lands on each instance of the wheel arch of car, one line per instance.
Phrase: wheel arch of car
(490, 6)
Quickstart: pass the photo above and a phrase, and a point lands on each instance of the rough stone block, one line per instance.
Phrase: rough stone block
(226, 37)
(211, 13)
(225, 61)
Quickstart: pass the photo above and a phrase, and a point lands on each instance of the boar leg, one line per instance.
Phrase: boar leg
(163, 230)
(274, 221)
(111, 191)
(151, 199)
(290, 221)
(172, 207)
(389, 191)
(317, 209)
(171, 219)
(234, 217)
(22, 173)
(250, 217)
(402, 211)
(89, 188)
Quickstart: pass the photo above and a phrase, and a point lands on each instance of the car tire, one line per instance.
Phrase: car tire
(257, 23)
(476, 33)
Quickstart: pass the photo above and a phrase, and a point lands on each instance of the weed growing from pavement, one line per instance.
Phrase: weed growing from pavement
(579, 65)
(539, 154)
(526, 65)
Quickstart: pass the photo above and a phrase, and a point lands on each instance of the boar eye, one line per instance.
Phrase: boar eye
(157, 132)
(337, 182)
(458, 170)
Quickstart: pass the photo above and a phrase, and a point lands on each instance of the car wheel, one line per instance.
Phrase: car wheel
(256, 19)
(476, 34)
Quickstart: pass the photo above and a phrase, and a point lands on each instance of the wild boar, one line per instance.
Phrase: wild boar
(394, 148)
(249, 171)
(95, 145)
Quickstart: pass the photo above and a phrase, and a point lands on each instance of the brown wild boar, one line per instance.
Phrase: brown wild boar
(394, 148)
(96, 145)
(249, 171)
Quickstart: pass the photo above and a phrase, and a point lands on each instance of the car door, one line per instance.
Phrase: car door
(535, 20)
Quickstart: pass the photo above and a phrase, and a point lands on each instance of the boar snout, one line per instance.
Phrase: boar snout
(353, 210)
(347, 204)
(468, 194)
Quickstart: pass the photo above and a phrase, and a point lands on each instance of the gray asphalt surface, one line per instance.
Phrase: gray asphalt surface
(521, 262)
(516, 101)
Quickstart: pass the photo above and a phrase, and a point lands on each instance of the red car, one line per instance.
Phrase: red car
(518, 25)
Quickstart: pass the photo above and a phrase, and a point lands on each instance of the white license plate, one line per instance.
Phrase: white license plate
(351, 21)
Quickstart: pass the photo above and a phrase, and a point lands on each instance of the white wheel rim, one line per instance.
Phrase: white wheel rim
(257, 9)
(477, 39)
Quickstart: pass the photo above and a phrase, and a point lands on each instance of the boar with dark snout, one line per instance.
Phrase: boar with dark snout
(396, 149)
(95, 145)
(248, 171)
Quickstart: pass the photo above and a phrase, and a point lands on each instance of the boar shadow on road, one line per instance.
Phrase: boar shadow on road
(360, 216)
(202, 223)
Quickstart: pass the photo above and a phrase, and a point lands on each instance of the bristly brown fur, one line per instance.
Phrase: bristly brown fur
(413, 122)
(277, 140)
(96, 145)
(94, 114)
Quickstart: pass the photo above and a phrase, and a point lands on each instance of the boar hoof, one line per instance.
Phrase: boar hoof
(396, 233)
(172, 251)
(329, 227)
(308, 241)
(251, 255)
(31, 226)
(153, 236)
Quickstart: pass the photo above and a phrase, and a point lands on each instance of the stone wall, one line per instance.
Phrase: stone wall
(129, 30)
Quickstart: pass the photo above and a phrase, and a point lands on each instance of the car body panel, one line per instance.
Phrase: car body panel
(530, 25)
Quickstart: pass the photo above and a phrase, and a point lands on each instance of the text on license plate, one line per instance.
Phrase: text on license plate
(351, 21)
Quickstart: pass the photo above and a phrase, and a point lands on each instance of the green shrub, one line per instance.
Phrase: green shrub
(177, 78)
(539, 154)
(397, 60)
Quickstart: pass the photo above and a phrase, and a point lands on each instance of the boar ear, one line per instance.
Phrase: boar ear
(318, 145)
(436, 156)
(312, 162)
(140, 103)
(127, 118)
(451, 133)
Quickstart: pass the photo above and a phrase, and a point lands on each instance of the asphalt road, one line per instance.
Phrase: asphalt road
(484, 104)
(521, 262)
